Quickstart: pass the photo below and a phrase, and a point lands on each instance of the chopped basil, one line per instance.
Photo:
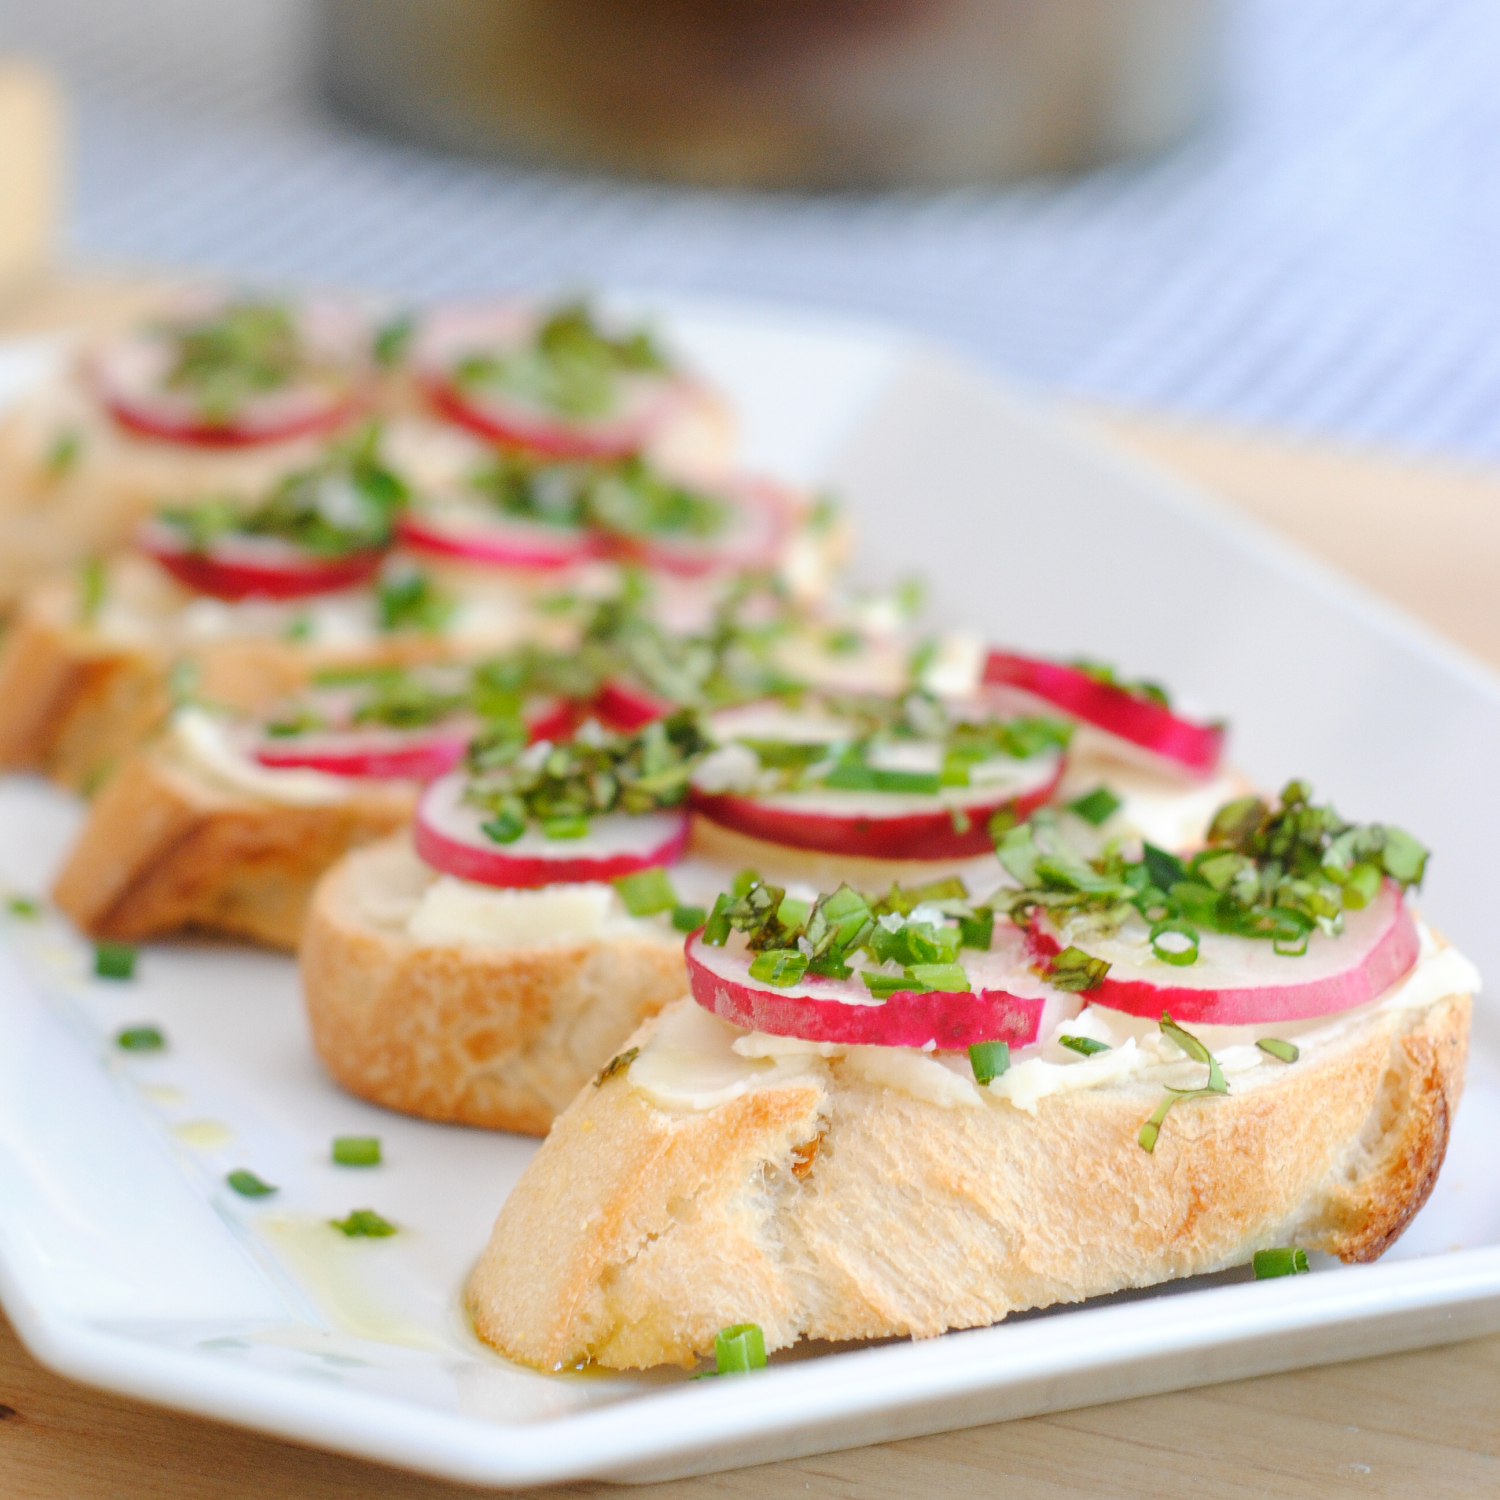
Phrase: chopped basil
(505, 827)
(364, 1223)
(688, 918)
(140, 1039)
(739, 1349)
(647, 892)
(989, 1060)
(1086, 1045)
(408, 599)
(248, 1185)
(1097, 807)
(356, 1150)
(1216, 1085)
(1287, 1052)
(779, 966)
(114, 960)
(1075, 971)
(1274, 874)
(619, 1063)
(1283, 1261)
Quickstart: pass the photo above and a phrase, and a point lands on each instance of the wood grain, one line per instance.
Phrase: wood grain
(1425, 534)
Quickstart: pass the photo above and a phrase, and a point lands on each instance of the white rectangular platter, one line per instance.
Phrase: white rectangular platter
(126, 1262)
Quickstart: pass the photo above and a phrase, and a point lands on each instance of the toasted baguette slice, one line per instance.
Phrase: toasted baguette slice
(830, 1206)
(168, 848)
(476, 1033)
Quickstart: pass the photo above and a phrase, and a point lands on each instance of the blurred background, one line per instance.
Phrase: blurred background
(1267, 211)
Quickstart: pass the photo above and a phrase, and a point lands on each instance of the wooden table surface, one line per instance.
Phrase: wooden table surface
(1424, 534)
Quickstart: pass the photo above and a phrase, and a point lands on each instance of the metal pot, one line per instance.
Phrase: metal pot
(778, 93)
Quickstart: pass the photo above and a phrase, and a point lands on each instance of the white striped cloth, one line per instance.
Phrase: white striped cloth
(1325, 255)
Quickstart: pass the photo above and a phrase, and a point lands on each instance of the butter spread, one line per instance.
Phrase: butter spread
(199, 740)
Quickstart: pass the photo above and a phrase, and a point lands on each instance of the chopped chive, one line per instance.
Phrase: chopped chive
(1182, 952)
(114, 961)
(779, 966)
(617, 1064)
(949, 977)
(1287, 1052)
(356, 1150)
(716, 930)
(248, 1185)
(1284, 1261)
(850, 776)
(565, 828)
(976, 929)
(23, 906)
(1096, 807)
(739, 1349)
(742, 882)
(989, 1060)
(688, 918)
(1075, 971)
(93, 584)
(882, 986)
(505, 827)
(646, 892)
(1083, 1044)
(140, 1039)
(364, 1223)
(1151, 1130)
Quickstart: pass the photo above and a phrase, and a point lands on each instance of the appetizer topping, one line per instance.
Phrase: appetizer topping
(912, 968)
(618, 1064)
(321, 528)
(408, 599)
(1283, 1261)
(1296, 879)
(248, 1185)
(1215, 1083)
(1286, 1052)
(739, 1349)
(114, 961)
(989, 1060)
(912, 778)
(560, 384)
(246, 371)
(140, 1039)
(364, 1223)
(356, 1150)
(1137, 712)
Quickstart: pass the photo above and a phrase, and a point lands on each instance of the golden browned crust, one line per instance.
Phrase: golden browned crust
(636, 1232)
(481, 1035)
(166, 851)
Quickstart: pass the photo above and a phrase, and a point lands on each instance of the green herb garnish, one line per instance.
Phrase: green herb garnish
(1216, 1084)
(1287, 1052)
(114, 960)
(23, 906)
(243, 350)
(392, 340)
(688, 918)
(739, 1349)
(1287, 1261)
(617, 1064)
(1075, 971)
(356, 1150)
(1097, 807)
(989, 1060)
(364, 1223)
(646, 892)
(140, 1039)
(1085, 1045)
(63, 453)
(408, 599)
(248, 1185)
(93, 588)
(1147, 692)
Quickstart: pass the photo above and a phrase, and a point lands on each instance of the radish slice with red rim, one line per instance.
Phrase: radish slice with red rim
(1147, 724)
(1007, 1003)
(449, 836)
(760, 518)
(901, 812)
(453, 338)
(325, 385)
(1238, 981)
(626, 709)
(417, 754)
(255, 567)
(498, 542)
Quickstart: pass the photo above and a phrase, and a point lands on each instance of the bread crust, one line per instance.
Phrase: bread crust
(166, 850)
(465, 1032)
(837, 1209)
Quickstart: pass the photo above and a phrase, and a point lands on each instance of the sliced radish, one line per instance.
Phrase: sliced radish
(1197, 747)
(626, 709)
(1007, 1003)
(1240, 981)
(761, 518)
(255, 567)
(418, 755)
(449, 838)
(452, 334)
(130, 373)
(951, 823)
(498, 541)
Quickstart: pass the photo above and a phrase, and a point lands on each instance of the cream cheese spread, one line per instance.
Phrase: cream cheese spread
(201, 742)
